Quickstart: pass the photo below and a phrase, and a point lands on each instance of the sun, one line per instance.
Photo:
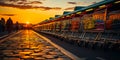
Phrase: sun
(27, 22)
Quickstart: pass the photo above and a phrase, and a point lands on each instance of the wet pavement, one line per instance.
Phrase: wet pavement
(26, 45)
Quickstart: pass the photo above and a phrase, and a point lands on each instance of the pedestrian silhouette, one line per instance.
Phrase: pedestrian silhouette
(9, 25)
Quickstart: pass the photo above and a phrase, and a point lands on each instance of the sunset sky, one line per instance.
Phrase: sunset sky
(35, 11)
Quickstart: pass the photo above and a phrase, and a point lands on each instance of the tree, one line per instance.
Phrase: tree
(3, 24)
(0, 26)
(9, 25)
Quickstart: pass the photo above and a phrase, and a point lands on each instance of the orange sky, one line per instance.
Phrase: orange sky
(27, 15)
(35, 11)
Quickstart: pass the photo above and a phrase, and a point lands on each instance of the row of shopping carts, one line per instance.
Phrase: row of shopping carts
(93, 40)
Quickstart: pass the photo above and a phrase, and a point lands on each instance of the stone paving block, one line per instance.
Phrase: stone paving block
(39, 58)
(50, 47)
(53, 53)
(26, 57)
(41, 53)
(11, 59)
(25, 53)
(47, 49)
(36, 54)
(64, 59)
(60, 54)
(13, 55)
(56, 49)
(29, 48)
(47, 44)
(63, 56)
(17, 51)
(7, 51)
(50, 59)
(34, 48)
(49, 56)
(36, 51)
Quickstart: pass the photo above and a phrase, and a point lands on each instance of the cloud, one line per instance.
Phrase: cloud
(28, 3)
(23, 4)
(69, 8)
(19, 2)
(8, 14)
(57, 8)
(16, 0)
(81, 3)
(72, 2)
(30, 7)
(36, 2)
(49, 8)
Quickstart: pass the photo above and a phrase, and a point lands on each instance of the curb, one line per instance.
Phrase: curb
(3, 38)
(6, 35)
(69, 54)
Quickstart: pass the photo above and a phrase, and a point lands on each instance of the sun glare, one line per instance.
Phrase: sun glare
(27, 22)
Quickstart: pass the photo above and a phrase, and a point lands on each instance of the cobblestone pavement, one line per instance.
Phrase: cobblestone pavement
(26, 45)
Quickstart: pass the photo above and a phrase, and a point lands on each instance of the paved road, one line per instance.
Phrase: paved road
(86, 53)
(26, 45)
